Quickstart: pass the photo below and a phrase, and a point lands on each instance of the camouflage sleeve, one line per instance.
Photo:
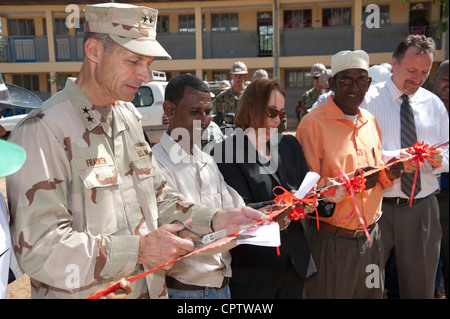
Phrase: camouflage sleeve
(217, 108)
(305, 105)
(283, 125)
(43, 227)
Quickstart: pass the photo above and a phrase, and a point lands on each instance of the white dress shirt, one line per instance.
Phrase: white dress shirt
(198, 180)
(384, 101)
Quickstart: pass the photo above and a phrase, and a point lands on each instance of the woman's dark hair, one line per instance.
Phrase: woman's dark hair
(254, 104)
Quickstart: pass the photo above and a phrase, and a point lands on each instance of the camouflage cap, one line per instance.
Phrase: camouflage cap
(260, 73)
(133, 27)
(238, 68)
(323, 78)
(316, 69)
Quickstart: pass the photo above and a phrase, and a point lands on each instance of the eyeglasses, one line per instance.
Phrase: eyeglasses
(362, 81)
(274, 113)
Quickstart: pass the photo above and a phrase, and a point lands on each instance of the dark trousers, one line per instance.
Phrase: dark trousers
(288, 286)
(443, 218)
(413, 236)
(346, 267)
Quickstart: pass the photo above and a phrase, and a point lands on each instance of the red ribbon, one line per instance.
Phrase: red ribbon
(354, 185)
(420, 152)
(289, 199)
(215, 244)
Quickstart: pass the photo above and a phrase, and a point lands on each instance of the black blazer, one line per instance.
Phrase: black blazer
(242, 170)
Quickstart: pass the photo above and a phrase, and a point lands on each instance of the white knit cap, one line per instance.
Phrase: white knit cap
(133, 27)
(346, 60)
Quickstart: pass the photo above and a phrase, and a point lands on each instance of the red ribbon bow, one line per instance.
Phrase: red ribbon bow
(289, 199)
(420, 152)
(354, 185)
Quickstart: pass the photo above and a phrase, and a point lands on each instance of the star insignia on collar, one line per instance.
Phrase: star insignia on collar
(145, 18)
(85, 110)
(151, 20)
(90, 119)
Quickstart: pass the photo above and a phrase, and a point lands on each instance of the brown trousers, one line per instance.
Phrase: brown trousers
(346, 267)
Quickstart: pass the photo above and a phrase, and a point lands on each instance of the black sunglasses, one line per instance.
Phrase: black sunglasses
(274, 113)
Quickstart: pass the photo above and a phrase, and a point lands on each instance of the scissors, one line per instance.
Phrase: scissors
(215, 236)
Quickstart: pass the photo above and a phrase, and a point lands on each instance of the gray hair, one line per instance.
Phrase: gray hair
(108, 43)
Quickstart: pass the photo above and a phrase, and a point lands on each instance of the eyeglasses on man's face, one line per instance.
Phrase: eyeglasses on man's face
(362, 81)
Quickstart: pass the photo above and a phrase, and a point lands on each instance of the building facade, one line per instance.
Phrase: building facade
(42, 41)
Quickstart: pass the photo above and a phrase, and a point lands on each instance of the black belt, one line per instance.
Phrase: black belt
(342, 231)
(400, 201)
(403, 201)
(442, 195)
(175, 284)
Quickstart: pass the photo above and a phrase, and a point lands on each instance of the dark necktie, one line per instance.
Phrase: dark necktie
(408, 138)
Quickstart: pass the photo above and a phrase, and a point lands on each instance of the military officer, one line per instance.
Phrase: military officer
(85, 205)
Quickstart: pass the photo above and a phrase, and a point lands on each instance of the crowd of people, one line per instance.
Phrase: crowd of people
(92, 201)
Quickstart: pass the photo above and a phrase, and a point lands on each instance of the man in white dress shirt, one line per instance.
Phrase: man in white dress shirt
(413, 234)
(195, 175)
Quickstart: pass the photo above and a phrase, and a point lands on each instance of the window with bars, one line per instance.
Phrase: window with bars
(163, 24)
(21, 27)
(297, 18)
(224, 22)
(336, 17)
(27, 81)
(60, 27)
(186, 23)
(298, 78)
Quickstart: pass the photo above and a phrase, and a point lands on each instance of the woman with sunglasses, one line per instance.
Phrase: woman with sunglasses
(254, 161)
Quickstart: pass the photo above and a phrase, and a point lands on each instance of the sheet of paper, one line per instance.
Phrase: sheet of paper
(308, 183)
(267, 235)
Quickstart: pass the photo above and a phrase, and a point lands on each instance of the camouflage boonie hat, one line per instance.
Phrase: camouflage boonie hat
(133, 27)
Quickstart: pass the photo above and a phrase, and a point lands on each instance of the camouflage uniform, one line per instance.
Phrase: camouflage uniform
(283, 125)
(225, 102)
(308, 99)
(85, 194)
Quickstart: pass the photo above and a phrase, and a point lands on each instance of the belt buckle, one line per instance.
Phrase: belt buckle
(358, 233)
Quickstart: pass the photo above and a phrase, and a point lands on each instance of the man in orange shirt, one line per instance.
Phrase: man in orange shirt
(340, 135)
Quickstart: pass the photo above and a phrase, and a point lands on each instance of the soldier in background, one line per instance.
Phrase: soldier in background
(227, 101)
(311, 96)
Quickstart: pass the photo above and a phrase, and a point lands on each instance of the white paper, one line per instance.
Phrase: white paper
(308, 183)
(267, 235)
